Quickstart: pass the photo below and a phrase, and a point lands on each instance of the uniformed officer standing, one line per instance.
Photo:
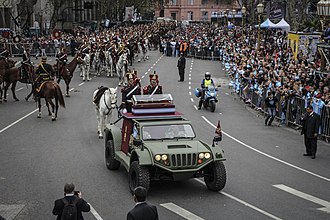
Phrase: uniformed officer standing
(154, 87)
(181, 67)
(132, 88)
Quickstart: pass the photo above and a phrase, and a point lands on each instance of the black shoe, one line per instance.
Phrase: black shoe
(307, 154)
(313, 157)
(199, 108)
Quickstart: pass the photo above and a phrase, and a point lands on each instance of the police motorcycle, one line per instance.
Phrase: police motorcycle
(210, 96)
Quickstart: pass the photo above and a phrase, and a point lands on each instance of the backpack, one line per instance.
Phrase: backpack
(70, 210)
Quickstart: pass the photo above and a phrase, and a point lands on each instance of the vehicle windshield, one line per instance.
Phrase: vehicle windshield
(173, 131)
(211, 88)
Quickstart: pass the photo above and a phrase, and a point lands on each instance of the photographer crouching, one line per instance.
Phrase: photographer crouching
(71, 206)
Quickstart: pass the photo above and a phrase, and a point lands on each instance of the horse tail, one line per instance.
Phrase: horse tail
(59, 95)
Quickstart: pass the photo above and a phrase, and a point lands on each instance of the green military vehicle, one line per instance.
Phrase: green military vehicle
(155, 142)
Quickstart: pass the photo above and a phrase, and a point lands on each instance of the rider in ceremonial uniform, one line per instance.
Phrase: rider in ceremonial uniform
(62, 59)
(154, 87)
(3, 53)
(44, 72)
(132, 88)
(26, 64)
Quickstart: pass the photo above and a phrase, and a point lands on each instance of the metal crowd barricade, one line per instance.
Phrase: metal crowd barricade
(295, 110)
(325, 123)
(16, 49)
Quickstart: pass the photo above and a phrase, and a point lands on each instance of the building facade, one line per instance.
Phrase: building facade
(196, 10)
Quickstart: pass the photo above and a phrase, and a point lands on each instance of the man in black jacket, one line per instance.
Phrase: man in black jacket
(181, 67)
(142, 210)
(310, 129)
(70, 197)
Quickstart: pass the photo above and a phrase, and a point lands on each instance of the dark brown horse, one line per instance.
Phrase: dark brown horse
(10, 75)
(50, 90)
(66, 72)
(13, 74)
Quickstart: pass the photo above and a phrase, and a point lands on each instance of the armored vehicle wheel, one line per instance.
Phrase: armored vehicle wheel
(138, 176)
(215, 176)
(110, 161)
(212, 106)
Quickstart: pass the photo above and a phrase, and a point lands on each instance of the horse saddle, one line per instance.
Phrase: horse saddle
(99, 94)
(41, 85)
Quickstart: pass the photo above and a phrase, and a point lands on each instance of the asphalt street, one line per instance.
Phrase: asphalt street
(268, 176)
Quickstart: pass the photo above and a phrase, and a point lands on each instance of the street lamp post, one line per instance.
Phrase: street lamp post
(233, 16)
(243, 13)
(260, 10)
(323, 10)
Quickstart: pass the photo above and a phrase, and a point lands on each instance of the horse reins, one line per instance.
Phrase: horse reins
(112, 103)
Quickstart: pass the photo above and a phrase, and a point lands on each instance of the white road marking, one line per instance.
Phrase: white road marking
(189, 78)
(195, 107)
(267, 155)
(94, 212)
(149, 69)
(189, 83)
(145, 73)
(220, 113)
(227, 93)
(81, 84)
(189, 87)
(189, 93)
(189, 71)
(191, 99)
(154, 64)
(71, 89)
(10, 211)
(181, 211)
(19, 89)
(189, 74)
(142, 76)
(277, 146)
(15, 122)
(245, 203)
(325, 204)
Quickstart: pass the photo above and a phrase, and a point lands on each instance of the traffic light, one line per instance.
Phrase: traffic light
(88, 5)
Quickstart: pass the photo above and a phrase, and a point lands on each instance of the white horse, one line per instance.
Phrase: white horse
(109, 63)
(86, 67)
(104, 108)
(97, 62)
(121, 68)
(143, 51)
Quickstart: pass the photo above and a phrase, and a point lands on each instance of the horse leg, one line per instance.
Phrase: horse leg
(99, 123)
(39, 107)
(47, 104)
(13, 87)
(5, 91)
(29, 95)
(88, 73)
(56, 107)
(53, 109)
(84, 73)
(67, 82)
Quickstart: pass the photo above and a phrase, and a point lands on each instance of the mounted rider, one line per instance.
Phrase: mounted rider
(26, 64)
(206, 82)
(133, 88)
(44, 73)
(62, 59)
(4, 54)
(154, 87)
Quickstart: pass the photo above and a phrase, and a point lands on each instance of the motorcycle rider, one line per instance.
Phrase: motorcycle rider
(206, 82)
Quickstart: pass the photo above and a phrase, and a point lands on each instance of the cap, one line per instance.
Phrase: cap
(153, 76)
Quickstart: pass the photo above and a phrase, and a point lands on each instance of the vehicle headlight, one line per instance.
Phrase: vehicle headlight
(158, 157)
(201, 155)
(164, 157)
(207, 155)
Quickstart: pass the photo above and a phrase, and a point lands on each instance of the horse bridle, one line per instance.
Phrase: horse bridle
(111, 104)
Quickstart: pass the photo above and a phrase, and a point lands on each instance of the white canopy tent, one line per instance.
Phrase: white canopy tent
(283, 25)
(268, 24)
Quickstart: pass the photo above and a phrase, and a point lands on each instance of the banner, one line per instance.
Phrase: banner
(129, 13)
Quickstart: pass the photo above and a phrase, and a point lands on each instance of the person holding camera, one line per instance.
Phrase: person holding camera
(71, 206)
(142, 210)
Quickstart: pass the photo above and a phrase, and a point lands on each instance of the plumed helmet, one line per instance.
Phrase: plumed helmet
(43, 59)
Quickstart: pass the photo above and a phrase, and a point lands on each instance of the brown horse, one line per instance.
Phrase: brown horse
(50, 90)
(67, 72)
(10, 75)
(13, 74)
